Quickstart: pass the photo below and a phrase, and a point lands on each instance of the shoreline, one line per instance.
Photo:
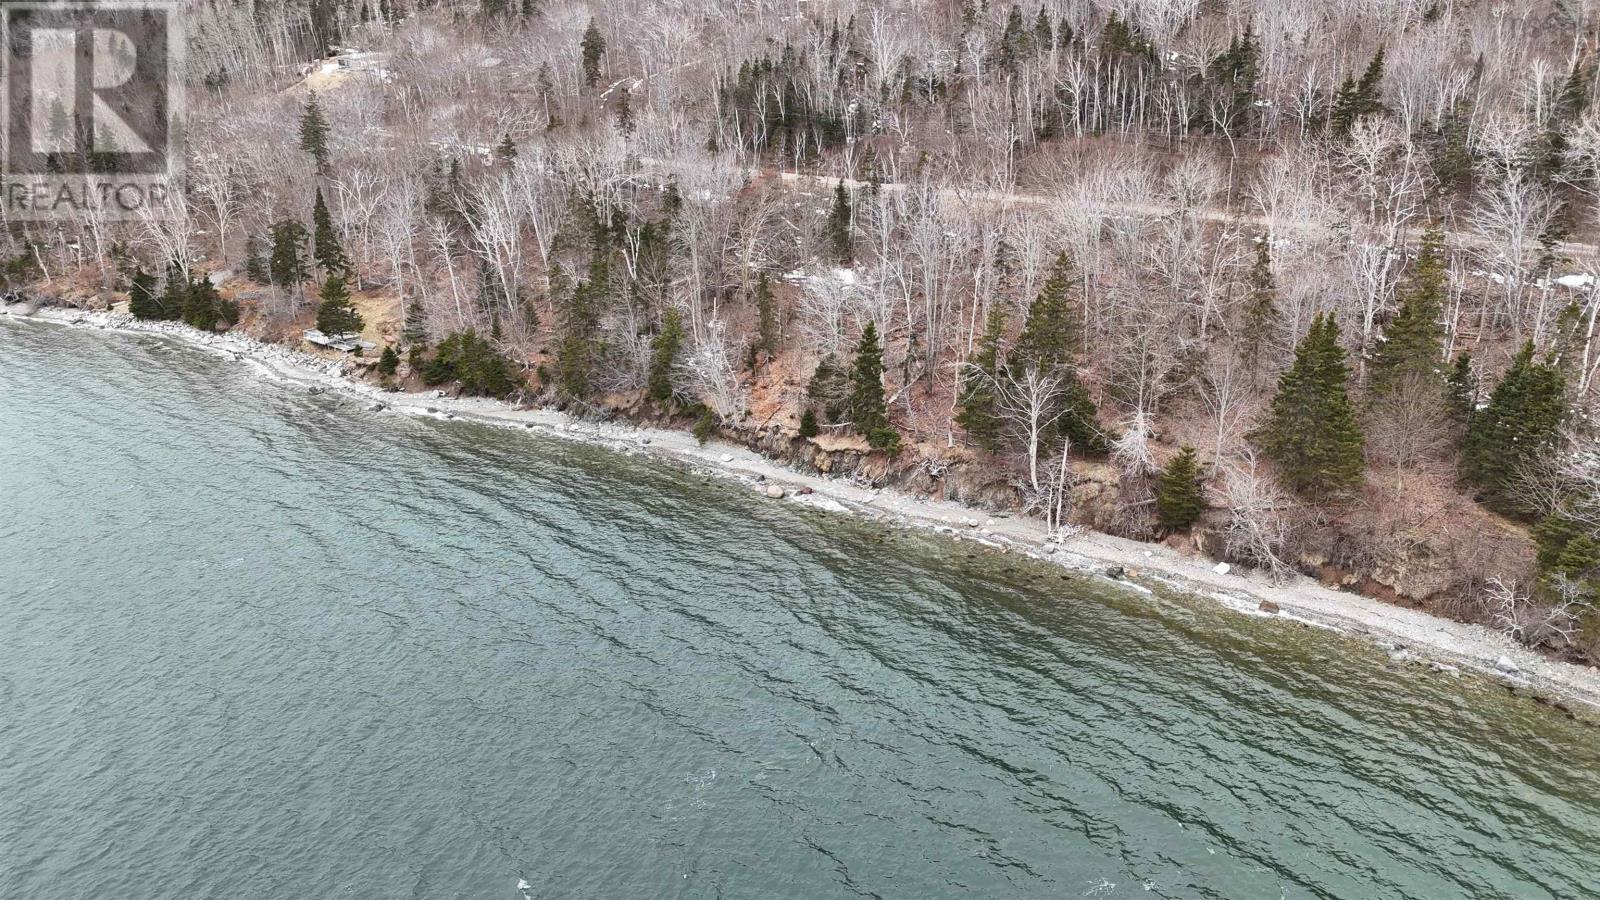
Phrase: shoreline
(1410, 636)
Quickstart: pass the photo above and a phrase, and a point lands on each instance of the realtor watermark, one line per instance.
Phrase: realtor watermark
(92, 107)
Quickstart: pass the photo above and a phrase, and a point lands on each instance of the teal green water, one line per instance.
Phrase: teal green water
(255, 643)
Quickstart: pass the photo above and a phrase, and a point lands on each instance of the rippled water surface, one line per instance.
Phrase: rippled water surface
(255, 643)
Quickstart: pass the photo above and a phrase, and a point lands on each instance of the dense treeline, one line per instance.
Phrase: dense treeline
(1278, 267)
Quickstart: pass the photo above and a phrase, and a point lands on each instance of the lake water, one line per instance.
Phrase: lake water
(256, 643)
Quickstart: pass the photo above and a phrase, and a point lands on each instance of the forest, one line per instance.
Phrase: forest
(1305, 287)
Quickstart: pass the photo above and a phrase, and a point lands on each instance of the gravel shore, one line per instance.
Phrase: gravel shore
(1409, 635)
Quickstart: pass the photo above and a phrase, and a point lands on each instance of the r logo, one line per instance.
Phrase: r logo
(92, 100)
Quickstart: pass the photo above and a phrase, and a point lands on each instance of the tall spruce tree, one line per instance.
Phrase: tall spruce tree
(1180, 495)
(664, 350)
(1521, 421)
(593, 47)
(255, 261)
(868, 410)
(1049, 343)
(1234, 74)
(1454, 163)
(174, 292)
(1311, 430)
(836, 230)
(287, 264)
(1050, 338)
(978, 413)
(202, 306)
(336, 314)
(314, 132)
(766, 317)
(1413, 347)
(325, 247)
(578, 325)
(1044, 33)
(624, 110)
(1014, 41)
(143, 302)
(1357, 97)
(415, 331)
(1262, 331)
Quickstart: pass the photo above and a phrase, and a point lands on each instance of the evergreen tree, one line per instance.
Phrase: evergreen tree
(325, 248)
(1461, 390)
(1357, 97)
(1570, 550)
(1454, 163)
(492, 293)
(836, 230)
(287, 265)
(255, 264)
(1238, 65)
(1262, 331)
(1080, 421)
(578, 327)
(1344, 110)
(624, 110)
(1121, 40)
(977, 413)
(1520, 422)
(1013, 41)
(1550, 152)
(1311, 430)
(1180, 495)
(1574, 96)
(1065, 36)
(314, 132)
(671, 199)
(415, 331)
(868, 410)
(472, 361)
(142, 299)
(664, 355)
(1552, 535)
(1580, 561)
(389, 362)
(202, 307)
(1044, 35)
(1049, 343)
(766, 317)
(705, 425)
(593, 47)
(1234, 74)
(506, 149)
(808, 423)
(174, 293)
(1414, 342)
(337, 315)
(1050, 339)
(1370, 86)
